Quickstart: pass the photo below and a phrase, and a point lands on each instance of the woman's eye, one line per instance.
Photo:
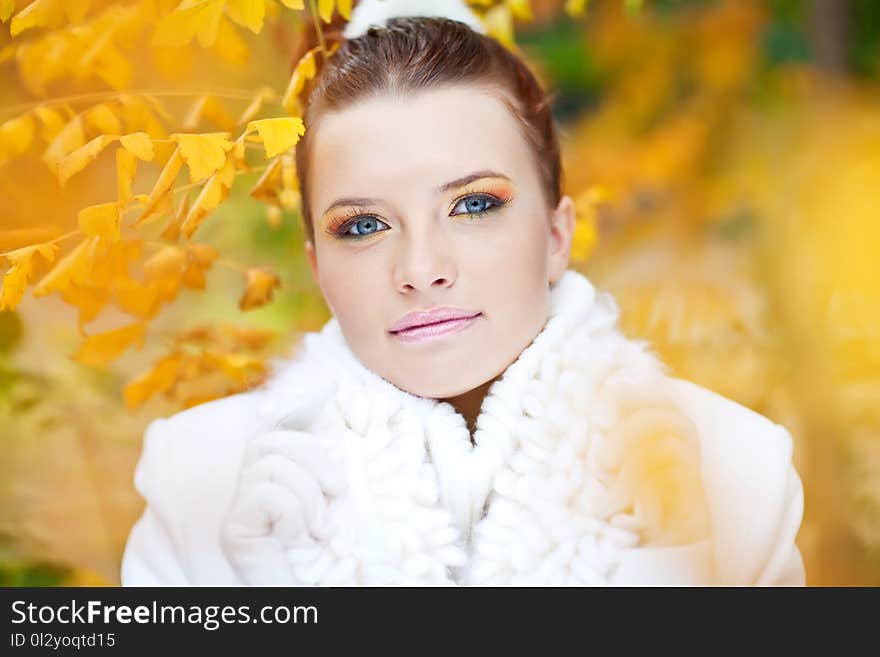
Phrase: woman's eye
(477, 204)
(365, 225)
(362, 227)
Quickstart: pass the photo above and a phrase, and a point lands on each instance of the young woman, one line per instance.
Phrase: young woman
(471, 415)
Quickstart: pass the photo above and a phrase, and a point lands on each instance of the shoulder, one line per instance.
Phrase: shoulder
(196, 453)
(197, 445)
(186, 474)
(189, 467)
(200, 439)
(754, 493)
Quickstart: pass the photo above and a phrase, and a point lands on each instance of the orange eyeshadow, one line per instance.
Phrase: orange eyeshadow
(499, 187)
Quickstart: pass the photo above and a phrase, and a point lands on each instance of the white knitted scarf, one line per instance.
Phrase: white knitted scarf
(352, 481)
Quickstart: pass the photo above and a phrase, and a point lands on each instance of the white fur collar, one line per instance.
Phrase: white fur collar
(538, 500)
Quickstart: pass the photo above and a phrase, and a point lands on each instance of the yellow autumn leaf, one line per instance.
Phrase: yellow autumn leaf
(102, 118)
(113, 67)
(278, 134)
(51, 120)
(163, 187)
(289, 199)
(159, 378)
(499, 25)
(167, 289)
(90, 300)
(101, 348)
(13, 238)
(111, 260)
(138, 144)
(14, 284)
(305, 70)
(203, 255)
(79, 159)
(135, 298)
(241, 368)
(16, 136)
(193, 278)
(274, 216)
(68, 139)
(6, 9)
(47, 250)
(138, 115)
(203, 153)
(40, 13)
(259, 286)
(171, 232)
(325, 10)
(168, 262)
(521, 9)
(266, 187)
(100, 221)
(72, 268)
(200, 257)
(248, 13)
(202, 334)
(126, 167)
(163, 272)
(16, 279)
(229, 44)
(212, 195)
(250, 337)
(191, 18)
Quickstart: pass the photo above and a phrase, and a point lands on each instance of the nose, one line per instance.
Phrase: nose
(422, 263)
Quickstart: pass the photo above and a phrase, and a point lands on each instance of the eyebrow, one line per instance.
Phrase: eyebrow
(458, 182)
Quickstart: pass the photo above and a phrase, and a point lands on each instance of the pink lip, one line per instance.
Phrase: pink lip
(434, 331)
(433, 316)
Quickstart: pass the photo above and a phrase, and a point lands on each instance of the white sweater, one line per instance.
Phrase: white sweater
(591, 466)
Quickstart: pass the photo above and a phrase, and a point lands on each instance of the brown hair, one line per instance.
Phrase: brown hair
(414, 53)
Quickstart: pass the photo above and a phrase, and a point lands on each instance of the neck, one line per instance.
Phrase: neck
(469, 403)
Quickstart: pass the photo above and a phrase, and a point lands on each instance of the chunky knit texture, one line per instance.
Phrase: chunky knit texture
(418, 502)
(589, 466)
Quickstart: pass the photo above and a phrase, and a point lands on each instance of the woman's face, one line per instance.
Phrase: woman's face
(426, 201)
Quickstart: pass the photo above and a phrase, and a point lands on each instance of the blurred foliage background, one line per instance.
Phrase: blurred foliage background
(725, 157)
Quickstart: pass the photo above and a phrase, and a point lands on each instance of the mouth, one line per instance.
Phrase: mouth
(434, 330)
(437, 323)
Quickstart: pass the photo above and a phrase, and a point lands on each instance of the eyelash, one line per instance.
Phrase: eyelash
(354, 215)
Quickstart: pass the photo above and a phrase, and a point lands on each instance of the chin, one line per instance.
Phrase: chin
(437, 389)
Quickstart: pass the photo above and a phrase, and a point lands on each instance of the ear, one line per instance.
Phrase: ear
(313, 259)
(561, 235)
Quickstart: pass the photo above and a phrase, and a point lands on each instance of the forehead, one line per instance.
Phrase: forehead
(387, 146)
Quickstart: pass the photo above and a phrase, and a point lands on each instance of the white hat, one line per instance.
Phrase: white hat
(378, 12)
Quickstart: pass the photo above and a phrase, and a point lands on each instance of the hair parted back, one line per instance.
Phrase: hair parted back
(410, 54)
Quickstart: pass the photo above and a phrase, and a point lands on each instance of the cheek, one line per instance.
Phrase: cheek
(512, 270)
(353, 289)
(517, 246)
(340, 284)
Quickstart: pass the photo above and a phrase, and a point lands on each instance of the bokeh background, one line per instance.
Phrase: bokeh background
(724, 155)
